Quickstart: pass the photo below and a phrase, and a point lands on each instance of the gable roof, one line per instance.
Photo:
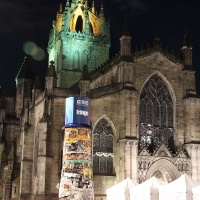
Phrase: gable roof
(157, 48)
(181, 154)
(162, 151)
(26, 71)
(144, 152)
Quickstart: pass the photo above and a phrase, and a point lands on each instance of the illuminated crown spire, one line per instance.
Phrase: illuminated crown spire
(86, 4)
(102, 21)
(101, 11)
(71, 45)
(93, 8)
(67, 4)
(60, 10)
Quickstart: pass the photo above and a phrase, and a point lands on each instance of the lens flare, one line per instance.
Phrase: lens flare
(33, 50)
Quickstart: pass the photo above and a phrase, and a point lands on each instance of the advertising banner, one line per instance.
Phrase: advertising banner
(77, 173)
(77, 111)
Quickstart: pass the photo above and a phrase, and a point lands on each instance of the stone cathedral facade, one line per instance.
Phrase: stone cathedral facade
(145, 110)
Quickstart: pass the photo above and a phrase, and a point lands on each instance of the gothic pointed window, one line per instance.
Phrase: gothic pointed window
(103, 148)
(76, 60)
(85, 58)
(93, 62)
(156, 113)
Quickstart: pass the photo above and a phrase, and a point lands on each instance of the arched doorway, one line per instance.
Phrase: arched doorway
(163, 170)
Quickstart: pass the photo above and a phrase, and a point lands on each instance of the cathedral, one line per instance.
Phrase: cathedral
(145, 110)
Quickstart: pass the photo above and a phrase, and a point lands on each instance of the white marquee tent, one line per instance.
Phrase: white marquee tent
(121, 190)
(196, 193)
(148, 190)
(180, 189)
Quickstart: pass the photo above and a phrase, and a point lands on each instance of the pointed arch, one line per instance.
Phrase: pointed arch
(74, 17)
(103, 144)
(167, 169)
(85, 58)
(167, 83)
(156, 111)
(79, 24)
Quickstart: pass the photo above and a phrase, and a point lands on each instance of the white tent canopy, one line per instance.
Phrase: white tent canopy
(181, 189)
(121, 190)
(148, 190)
(196, 193)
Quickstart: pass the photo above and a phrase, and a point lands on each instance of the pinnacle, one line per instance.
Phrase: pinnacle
(125, 31)
(37, 84)
(85, 73)
(186, 42)
(51, 71)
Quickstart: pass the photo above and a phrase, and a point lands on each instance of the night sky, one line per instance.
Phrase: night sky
(31, 20)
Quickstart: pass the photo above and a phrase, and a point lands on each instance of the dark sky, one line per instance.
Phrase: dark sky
(31, 20)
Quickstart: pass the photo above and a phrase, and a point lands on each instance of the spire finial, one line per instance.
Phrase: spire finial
(101, 14)
(125, 30)
(86, 3)
(60, 10)
(186, 42)
(93, 8)
(67, 4)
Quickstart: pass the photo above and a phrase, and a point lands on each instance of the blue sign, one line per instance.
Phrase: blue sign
(77, 111)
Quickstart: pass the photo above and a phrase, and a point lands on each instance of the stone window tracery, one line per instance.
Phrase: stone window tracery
(156, 113)
(103, 148)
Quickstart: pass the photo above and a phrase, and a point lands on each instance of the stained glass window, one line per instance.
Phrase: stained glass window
(95, 164)
(156, 113)
(103, 148)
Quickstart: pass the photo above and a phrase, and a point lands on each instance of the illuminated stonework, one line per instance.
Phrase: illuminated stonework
(79, 37)
(59, 18)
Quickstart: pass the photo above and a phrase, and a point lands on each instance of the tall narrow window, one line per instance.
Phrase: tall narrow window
(103, 148)
(156, 113)
(93, 62)
(85, 58)
(76, 60)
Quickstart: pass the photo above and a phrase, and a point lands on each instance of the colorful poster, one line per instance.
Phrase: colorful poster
(76, 176)
(77, 111)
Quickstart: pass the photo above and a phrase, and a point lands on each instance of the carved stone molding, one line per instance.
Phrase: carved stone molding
(130, 93)
(131, 142)
(194, 146)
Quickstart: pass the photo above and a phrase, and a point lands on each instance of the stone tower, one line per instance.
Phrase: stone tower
(79, 37)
